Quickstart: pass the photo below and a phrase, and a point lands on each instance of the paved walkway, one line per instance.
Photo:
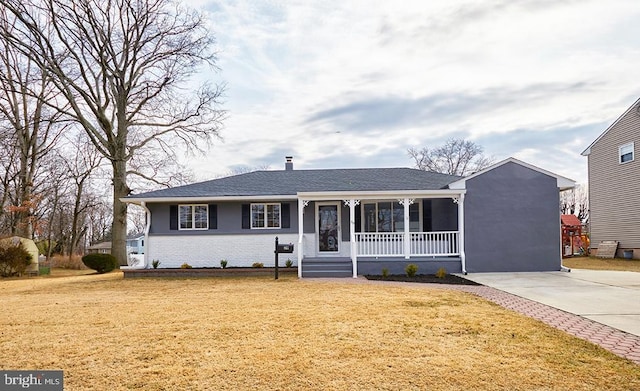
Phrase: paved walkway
(621, 343)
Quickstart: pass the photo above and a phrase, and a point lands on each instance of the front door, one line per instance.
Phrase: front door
(328, 228)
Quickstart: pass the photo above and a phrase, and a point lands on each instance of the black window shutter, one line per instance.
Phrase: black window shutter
(173, 217)
(246, 216)
(358, 220)
(213, 216)
(285, 215)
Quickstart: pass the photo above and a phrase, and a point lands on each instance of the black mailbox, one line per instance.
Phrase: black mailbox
(280, 249)
(285, 248)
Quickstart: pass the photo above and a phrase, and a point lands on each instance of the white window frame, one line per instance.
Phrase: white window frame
(625, 149)
(376, 202)
(265, 214)
(193, 217)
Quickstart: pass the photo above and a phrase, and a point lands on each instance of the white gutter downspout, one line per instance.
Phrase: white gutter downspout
(406, 202)
(461, 233)
(147, 228)
(352, 236)
(301, 204)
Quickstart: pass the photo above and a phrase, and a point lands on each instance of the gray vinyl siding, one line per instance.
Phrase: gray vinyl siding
(229, 220)
(614, 188)
(512, 221)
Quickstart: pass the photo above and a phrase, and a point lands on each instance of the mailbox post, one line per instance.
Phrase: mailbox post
(281, 248)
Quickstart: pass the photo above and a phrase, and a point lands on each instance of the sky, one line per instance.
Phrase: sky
(350, 84)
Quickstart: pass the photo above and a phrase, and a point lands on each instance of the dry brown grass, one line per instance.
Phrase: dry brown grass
(65, 262)
(54, 273)
(630, 265)
(256, 333)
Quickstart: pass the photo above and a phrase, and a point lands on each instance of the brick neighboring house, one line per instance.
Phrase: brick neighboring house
(614, 184)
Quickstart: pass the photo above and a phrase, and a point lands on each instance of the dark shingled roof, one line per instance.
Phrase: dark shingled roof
(290, 182)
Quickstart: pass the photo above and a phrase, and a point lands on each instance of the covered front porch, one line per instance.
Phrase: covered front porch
(380, 230)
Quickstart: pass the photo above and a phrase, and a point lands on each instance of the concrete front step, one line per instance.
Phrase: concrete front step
(327, 267)
(326, 274)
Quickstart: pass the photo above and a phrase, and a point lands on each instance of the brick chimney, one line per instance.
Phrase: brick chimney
(288, 166)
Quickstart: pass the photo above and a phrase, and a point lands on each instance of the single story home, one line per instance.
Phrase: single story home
(99, 248)
(345, 222)
(135, 249)
(135, 245)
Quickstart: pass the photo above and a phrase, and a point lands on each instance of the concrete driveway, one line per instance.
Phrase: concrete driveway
(608, 297)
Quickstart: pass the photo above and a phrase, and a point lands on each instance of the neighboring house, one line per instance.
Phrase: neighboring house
(345, 222)
(135, 244)
(99, 248)
(614, 184)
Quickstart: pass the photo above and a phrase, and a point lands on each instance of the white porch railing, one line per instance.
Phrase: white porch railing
(378, 244)
(444, 243)
(435, 243)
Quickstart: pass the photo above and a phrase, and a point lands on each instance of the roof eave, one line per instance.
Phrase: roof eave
(319, 195)
(382, 194)
(587, 151)
(139, 201)
(564, 183)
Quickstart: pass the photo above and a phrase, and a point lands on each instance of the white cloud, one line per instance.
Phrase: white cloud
(413, 73)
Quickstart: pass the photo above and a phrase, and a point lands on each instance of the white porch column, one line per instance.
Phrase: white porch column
(461, 232)
(352, 235)
(301, 205)
(406, 203)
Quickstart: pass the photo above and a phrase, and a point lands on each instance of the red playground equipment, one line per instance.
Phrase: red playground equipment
(574, 242)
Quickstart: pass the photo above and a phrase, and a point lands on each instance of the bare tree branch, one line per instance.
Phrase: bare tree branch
(456, 157)
(120, 66)
(34, 129)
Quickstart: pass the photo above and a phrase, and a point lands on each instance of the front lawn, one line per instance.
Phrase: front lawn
(630, 265)
(257, 333)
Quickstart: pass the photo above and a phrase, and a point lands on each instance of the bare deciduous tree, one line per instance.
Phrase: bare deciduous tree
(31, 128)
(7, 179)
(121, 67)
(455, 157)
(85, 160)
(576, 201)
(53, 207)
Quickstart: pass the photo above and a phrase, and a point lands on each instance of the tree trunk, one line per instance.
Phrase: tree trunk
(75, 236)
(119, 225)
(50, 225)
(25, 184)
(23, 215)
